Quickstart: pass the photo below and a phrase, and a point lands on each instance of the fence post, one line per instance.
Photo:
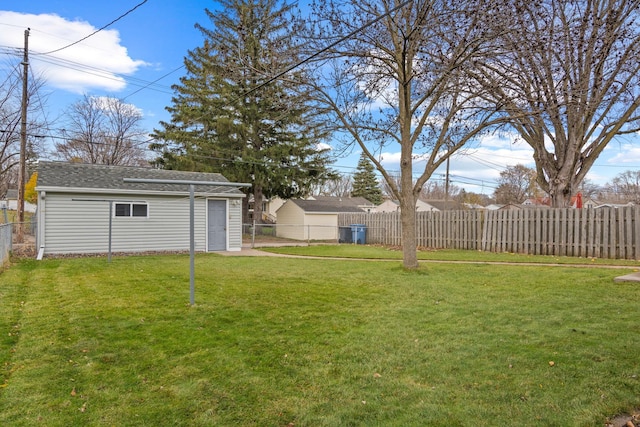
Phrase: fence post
(253, 234)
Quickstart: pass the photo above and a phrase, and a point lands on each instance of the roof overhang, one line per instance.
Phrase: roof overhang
(67, 190)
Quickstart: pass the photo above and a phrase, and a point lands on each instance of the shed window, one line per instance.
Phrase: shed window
(132, 209)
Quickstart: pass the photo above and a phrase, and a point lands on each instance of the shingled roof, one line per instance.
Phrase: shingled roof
(333, 204)
(75, 177)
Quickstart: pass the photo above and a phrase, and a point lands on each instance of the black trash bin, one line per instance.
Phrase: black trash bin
(359, 233)
(345, 235)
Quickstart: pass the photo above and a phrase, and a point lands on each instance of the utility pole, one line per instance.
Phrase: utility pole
(23, 139)
(446, 186)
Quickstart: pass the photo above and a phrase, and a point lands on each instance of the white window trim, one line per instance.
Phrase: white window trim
(131, 204)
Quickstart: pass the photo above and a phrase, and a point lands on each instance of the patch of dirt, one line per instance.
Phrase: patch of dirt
(625, 420)
(24, 250)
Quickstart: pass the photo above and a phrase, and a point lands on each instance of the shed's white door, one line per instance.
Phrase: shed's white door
(217, 220)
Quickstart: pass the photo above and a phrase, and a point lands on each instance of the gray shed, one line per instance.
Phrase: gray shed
(74, 203)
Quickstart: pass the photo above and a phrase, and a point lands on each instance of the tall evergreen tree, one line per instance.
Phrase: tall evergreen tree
(365, 183)
(225, 119)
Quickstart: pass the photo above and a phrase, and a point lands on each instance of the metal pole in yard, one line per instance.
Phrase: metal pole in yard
(192, 245)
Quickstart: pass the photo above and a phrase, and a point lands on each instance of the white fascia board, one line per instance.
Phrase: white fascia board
(136, 192)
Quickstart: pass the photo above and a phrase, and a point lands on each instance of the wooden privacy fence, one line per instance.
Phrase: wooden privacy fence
(598, 233)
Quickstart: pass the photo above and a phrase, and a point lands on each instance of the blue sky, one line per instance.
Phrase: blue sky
(150, 43)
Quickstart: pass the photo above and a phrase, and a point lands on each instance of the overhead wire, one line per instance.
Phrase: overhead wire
(106, 74)
(153, 84)
(98, 30)
(95, 71)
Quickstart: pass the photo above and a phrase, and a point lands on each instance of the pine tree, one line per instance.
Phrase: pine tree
(365, 183)
(224, 119)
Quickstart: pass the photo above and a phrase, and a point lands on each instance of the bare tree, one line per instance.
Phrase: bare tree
(567, 72)
(398, 83)
(589, 189)
(340, 186)
(625, 187)
(435, 190)
(10, 120)
(103, 130)
(387, 190)
(516, 184)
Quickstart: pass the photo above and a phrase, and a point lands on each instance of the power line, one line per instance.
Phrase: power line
(98, 30)
(153, 82)
(95, 71)
(106, 74)
(326, 48)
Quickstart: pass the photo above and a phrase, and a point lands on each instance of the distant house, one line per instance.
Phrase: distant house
(494, 207)
(537, 202)
(545, 202)
(79, 203)
(587, 202)
(10, 202)
(510, 207)
(394, 206)
(614, 205)
(316, 219)
(446, 205)
(474, 206)
(269, 208)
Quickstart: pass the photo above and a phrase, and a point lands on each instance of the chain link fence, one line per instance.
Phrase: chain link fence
(6, 232)
(297, 234)
(17, 238)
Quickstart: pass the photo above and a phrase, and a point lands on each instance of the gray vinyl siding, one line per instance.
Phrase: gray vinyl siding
(235, 225)
(83, 226)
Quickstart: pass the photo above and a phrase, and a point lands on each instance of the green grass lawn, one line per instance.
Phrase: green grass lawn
(383, 252)
(314, 342)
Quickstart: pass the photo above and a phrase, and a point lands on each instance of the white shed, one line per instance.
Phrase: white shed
(316, 219)
(78, 202)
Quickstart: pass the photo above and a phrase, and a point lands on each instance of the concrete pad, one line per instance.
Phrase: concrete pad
(633, 277)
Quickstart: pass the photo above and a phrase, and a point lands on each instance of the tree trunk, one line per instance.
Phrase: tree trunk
(245, 210)
(257, 204)
(408, 221)
(408, 207)
(560, 193)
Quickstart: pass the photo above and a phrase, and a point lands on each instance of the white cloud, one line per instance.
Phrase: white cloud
(476, 169)
(96, 63)
(626, 154)
(323, 146)
(107, 103)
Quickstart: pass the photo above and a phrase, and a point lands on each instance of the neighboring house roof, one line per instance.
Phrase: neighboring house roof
(510, 207)
(12, 205)
(76, 177)
(12, 194)
(330, 205)
(344, 201)
(387, 206)
(494, 207)
(445, 205)
(11, 202)
(475, 206)
(615, 205)
(394, 206)
(537, 201)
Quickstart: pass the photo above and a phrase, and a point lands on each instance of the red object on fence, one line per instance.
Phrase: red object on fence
(579, 201)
